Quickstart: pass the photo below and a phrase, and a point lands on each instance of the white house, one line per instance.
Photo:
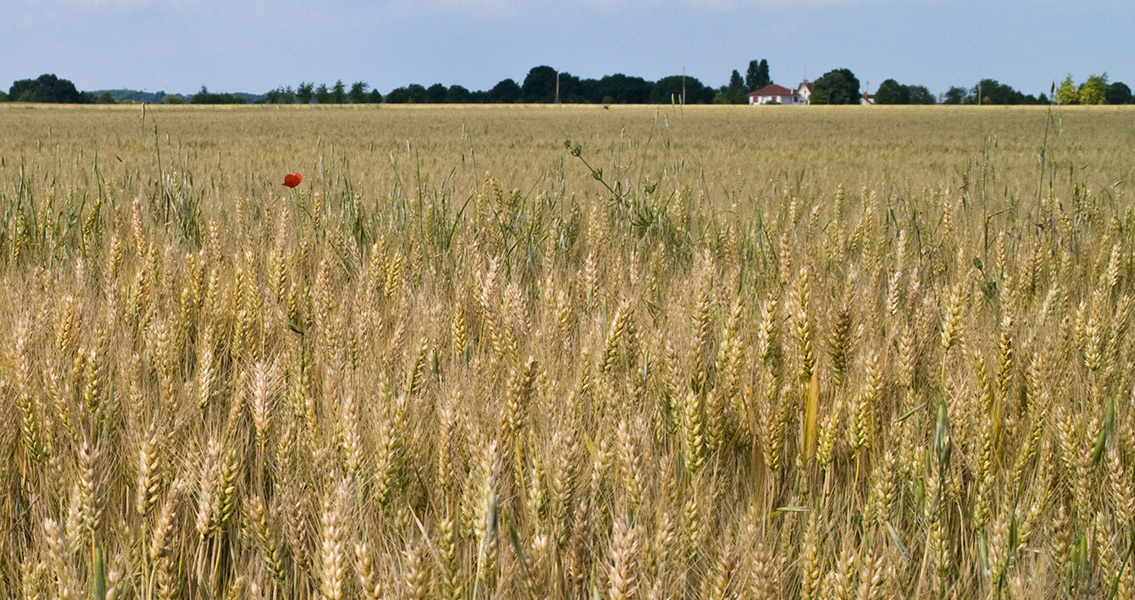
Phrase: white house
(778, 94)
(804, 90)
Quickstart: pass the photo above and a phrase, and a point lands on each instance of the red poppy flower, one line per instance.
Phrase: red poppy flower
(292, 179)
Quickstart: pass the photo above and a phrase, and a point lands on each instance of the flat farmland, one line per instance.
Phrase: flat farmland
(566, 351)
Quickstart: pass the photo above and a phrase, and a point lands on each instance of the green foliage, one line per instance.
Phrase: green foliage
(1068, 93)
(1118, 93)
(105, 98)
(622, 89)
(172, 99)
(734, 93)
(47, 88)
(339, 93)
(669, 89)
(507, 91)
(839, 86)
(892, 92)
(757, 77)
(305, 92)
(374, 97)
(436, 93)
(207, 97)
(458, 94)
(539, 85)
(322, 94)
(358, 93)
(3, 96)
(955, 95)
(1094, 90)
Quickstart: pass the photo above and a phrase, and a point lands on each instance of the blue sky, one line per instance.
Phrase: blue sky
(256, 45)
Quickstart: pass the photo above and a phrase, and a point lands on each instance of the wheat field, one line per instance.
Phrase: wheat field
(566, 352)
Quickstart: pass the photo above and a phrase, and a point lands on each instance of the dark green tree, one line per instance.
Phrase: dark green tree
(105, 98)
(436, 93)
(892, 92)
(288, 96)
(305, 92)
(339, 93)
(273, 96)
(669, 89)
(839, 86)
(918, 95)
(539, 85)
(752, 75)
(763, 77)
(358, 93)
(374, 97)
(3, 96)
(46, 88)
(322, 94)
(418, 94)
(623, 89)
(505, 92)
(955, 95)
(398, 96)
(1118, 93)
(457, 94)
(991, 91)
(737, 89)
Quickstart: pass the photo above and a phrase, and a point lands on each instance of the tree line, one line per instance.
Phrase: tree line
(544, 84)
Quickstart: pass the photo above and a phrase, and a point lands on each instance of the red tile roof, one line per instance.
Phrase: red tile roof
(773, 90)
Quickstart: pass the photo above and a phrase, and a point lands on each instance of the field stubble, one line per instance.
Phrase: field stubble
(706, 352)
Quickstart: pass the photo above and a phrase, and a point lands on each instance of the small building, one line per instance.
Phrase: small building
(867, 99)
(776, 94)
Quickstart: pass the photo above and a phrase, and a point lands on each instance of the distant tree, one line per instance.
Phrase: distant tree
(539, 85)
(272, 96)
(322, 94)
(374, 97)
(3, 96)
(669, 89)
(1094, 90)
(172, 99)
(573, 89)
(358, 93)
(836, 87)
(418, 94)
(339, 93)
(105, 98)
(507, 91)
(955, 95)
(304, 93)
(991, 91)
(457, 94)
(436, 93)
(1068, 92)
(622, 89)
(398, 96)
(288, 96)
(918, 95)
(752, 74)
(892, 92)
(736, 93)
(206, 97)
(46, 88)
(763, 78)
(1118, 93)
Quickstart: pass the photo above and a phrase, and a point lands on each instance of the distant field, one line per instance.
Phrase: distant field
(699, 352)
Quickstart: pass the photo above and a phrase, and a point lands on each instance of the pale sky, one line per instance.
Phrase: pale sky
(256, 45)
